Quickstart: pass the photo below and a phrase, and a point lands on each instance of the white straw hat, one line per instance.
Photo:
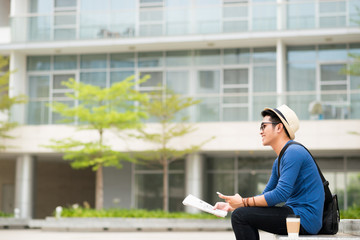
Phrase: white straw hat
(288, 118)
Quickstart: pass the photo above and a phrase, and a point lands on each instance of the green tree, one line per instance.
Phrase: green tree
(99, 109)
(6, 102)
(166, 109)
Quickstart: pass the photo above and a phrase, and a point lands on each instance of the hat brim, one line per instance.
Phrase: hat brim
(284, 122)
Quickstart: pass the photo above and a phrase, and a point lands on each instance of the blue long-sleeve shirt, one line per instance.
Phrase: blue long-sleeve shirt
(299, 186)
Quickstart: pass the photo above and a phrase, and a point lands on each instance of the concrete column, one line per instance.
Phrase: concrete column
(17, 83)
(280, 71)
(24, 185)
(194, 178)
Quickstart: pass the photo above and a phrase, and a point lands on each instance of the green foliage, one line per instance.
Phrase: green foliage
(168, 110)
(81, 212)
(6, 215)
(6, 102)
(352, 212)
(354, 67)
(99, 109)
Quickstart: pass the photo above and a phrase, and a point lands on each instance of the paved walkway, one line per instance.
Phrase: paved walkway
(35, 234)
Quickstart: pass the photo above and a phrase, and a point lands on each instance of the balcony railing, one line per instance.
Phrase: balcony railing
(173, 21)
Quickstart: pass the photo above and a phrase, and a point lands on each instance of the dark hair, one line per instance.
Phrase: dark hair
(274, 118)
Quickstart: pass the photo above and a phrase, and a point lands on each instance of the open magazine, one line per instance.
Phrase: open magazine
(193, 201)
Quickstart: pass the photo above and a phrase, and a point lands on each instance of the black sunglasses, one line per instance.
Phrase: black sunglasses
(263, 125)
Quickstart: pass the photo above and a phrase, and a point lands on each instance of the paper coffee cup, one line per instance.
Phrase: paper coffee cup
(293, 226)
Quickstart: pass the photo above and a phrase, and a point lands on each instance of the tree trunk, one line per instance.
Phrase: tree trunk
(165, 186)
(99, 189)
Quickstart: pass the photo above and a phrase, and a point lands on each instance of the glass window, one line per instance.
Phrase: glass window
(207, 2)
(122, 4)
(256, 163)
(232, 114)
(236, 76)
(264, 79)
(177, 21)
(252, 184)
(208, 81)
(39, 87)
(65, 62)
(355, 97)
(208, 110)
(219, 164)
(331, 72)
(94, 78)
(301, 54)
(207, 57)
(302, 105)
(176, 191)
(264, 55)
(354, 48)
(96, 5)
(122, 60)
(353, 187)
(149, 191)
(65, 3)
(178, 58)
(219, 182)
(58, 79)
(178, 3)
(40, 6)
(301, 15)
(208, 19)
(38, 63)
(64, 34)
(155, 80)
(64, 19)
(150, 59)
(236, 56)
(93, 61)
(178, 81)
(119, 76)
(241, 91)
(333, 52)
(37, 113)
(301, 77)
(259, 102)
(264, 16)
(58, 118)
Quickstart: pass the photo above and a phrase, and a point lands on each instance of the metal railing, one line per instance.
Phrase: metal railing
(173, 21)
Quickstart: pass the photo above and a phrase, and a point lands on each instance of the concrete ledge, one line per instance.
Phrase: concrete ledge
(347, 228)
(339, 236)
(134, 224)
(350, 226)
(14, 223)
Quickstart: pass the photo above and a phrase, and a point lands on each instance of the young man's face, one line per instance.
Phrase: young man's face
(267, 130)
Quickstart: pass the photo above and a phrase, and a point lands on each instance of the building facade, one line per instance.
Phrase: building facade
(236, 56)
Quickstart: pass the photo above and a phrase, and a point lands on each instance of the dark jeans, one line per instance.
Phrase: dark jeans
(246, 221)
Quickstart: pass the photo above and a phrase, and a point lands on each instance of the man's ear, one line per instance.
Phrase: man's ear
(279, 127)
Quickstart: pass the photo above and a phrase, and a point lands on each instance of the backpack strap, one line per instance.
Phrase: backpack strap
(328, 195)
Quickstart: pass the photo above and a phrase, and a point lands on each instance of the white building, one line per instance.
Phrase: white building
(237, 56)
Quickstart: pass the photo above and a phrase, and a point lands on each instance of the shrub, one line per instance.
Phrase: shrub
(352, 212)
(2, 214)
(128, 213)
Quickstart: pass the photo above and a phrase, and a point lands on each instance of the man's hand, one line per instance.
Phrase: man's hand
(223, 206)
(233, 201)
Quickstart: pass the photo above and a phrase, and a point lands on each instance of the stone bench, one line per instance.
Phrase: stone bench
(348, 229)
(339, 236)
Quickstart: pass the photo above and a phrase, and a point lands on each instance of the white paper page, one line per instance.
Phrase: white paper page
(193, 201)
